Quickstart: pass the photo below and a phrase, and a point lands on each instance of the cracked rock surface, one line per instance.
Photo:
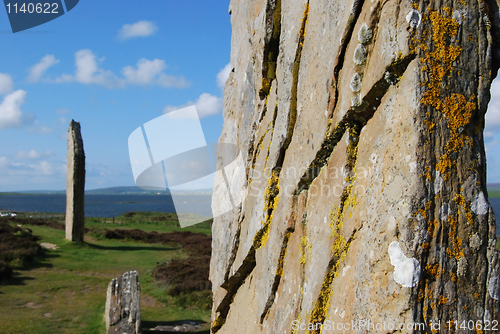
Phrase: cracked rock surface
(361, 127)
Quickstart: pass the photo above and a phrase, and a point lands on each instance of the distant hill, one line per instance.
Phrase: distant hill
(112, 191)
(125, 191)
(493, 191)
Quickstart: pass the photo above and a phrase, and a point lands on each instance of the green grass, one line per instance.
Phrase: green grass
(65, 291)
(147, 222)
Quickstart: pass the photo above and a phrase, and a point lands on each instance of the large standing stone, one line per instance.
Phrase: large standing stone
(362, 125)
(75, 184)
(123, 310)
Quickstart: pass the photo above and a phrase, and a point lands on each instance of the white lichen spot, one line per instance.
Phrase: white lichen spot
(356, 83)
(406, 270)
(325, 220)
(356, 100)
(413, 166)
(462, 266)
(365, 34)
(479, 205)
(414, 18)
(373, 158)
(326, 113)
(344, 271)
(493, 285)
(438, 183)
(444, 212)
(360, 55)
(342, 314)
(475, 241)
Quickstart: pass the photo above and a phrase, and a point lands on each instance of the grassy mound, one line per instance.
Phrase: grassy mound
(18, 247)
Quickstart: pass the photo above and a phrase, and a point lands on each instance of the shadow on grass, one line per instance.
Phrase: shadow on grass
(147, 326)
(41, 261)
(17, 279)
(131, 248)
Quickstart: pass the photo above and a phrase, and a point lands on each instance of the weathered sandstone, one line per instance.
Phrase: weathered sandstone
(361, 125)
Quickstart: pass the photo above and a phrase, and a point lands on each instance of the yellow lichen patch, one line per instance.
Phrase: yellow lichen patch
(426, 246)
(340, 246)
(454, 249)
(424, 211)
(271, 195)
(460, 200)
(271, 201)
(281, 260)
(433, 270)
(439, 65)
(303, 245)
(442, 300)
(429, 125)
(433, 225)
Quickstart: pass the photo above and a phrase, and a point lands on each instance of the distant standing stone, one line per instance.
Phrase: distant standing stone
(123, 310)
(75, 184)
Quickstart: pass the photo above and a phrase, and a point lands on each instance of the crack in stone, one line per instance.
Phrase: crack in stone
(279, 274)
(346, 38)
(362, 114)
(295, 81)
(233, 283)
(271, 48)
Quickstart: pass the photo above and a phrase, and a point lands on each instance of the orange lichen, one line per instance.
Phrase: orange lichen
(433, 270)
(456, 243)
(439, 65)
(442, 300)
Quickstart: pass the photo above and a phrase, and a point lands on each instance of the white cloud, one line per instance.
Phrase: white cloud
(149, 72)
(168, 81)
(27, 155)
(88, 71)
(3, 161)
(206, 105)
(138, 29)
(11, 115)
(41, 67)
(44, 168)
(146, 72)
(31, 155)
(6, 83)
(223, 75)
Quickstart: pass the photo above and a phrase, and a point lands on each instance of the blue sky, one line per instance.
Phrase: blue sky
(113, 66)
